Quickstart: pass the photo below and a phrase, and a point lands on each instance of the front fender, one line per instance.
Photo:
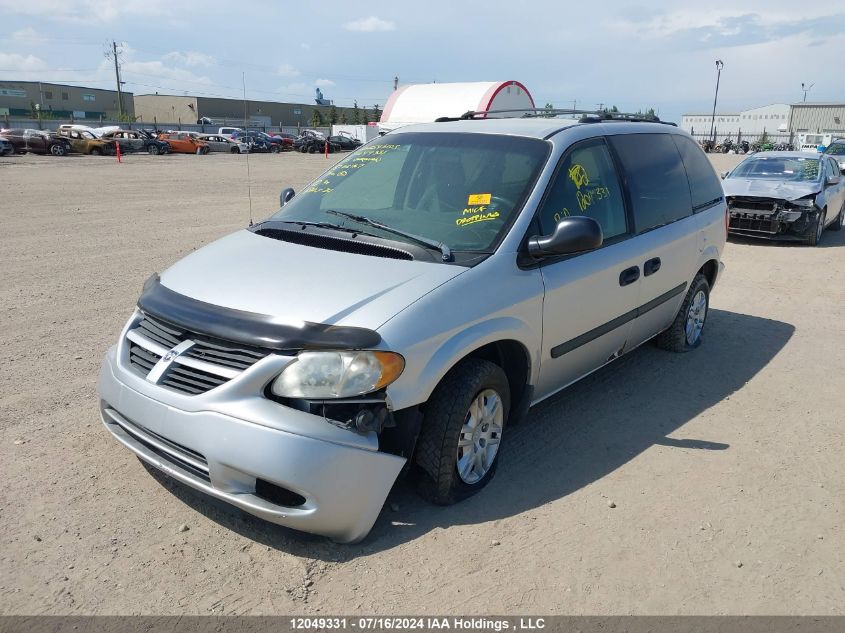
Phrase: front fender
(416, 385)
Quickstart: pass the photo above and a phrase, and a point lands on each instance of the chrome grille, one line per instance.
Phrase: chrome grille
(202, 364)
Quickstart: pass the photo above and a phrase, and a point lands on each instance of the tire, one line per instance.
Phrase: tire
(312, 149)
(677, 337)
(204, 150)
(815, 234)
(303, 149)
(274, 149)
(58, 149)
(235, 150)
(448, 420)
(837, 223)
(153, 150)
(96, 151)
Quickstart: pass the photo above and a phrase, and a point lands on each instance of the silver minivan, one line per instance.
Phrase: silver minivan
(409, 306)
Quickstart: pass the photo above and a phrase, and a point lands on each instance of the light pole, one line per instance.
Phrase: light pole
(719, 66)
(806, 90)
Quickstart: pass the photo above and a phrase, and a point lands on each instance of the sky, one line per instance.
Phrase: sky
(657, 54)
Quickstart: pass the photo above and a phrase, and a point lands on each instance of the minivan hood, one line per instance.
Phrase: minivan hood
(295, 283)
(768, 188)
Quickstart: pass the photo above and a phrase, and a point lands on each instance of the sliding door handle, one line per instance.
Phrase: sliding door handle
(629, 275)
(651, 266)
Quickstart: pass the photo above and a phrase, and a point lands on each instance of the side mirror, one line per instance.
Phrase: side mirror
(286, 196)
(724, 174)
(833, 180)
(575, 234)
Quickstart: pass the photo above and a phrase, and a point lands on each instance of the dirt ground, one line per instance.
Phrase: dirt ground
(725, 465)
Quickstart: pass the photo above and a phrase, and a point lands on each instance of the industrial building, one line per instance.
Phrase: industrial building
(61, 101)
(776, 120)
(161, 108)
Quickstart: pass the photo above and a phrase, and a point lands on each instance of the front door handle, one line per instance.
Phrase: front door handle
(629, 275)
(651, 266)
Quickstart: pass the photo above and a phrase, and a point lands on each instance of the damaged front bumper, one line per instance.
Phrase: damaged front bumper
(771, 218)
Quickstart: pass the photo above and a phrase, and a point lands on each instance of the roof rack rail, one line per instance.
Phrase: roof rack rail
(587, 116)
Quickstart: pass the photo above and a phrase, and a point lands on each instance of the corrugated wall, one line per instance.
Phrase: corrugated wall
(818, 118)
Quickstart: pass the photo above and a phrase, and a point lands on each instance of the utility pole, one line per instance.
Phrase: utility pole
(396, 83)
(806, 90)
(719, 65)
(117, 78)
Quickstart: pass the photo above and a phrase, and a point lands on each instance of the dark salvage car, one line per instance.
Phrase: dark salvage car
(785, 196)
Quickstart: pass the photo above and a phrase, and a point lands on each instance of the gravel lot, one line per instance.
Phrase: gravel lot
(725, 465)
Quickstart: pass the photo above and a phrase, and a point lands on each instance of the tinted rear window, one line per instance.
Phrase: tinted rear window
(657, 181)
(704, 185)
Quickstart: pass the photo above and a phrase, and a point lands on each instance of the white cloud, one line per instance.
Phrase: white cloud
(304, 46)
(286, 70)
(28, 36)
(324, 83)
(21, 63)
(190, 58)
(88, 11)
(159, 70)
(370, 24)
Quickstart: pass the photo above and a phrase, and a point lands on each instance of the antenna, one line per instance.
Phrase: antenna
(248, 179)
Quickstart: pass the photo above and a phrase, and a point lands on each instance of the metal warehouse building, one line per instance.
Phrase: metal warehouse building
(61, 101)
(190, 109)
(818, 117)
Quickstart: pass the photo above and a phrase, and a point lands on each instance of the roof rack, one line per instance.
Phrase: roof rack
(587, 116)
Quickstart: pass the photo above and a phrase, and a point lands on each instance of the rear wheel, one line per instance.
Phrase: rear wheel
(816, 230)
(685, 332)
(462, 429)
(153, 150)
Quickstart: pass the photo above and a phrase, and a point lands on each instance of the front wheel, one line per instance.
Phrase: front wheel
(685, 332)
(96, 151)
(274, 149)
(815, 234)
(235, 150)
(58, 150)
(837, 223)
(153, 150)
(462, 431)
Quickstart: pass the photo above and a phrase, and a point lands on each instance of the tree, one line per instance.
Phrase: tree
(343, 118)
(356, 113)
(614, 109)
(548, 110)
(365, 116)
(316, 118)
(333, 115)
(376, 113)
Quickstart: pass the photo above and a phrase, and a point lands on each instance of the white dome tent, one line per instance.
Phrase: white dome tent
(423, 103)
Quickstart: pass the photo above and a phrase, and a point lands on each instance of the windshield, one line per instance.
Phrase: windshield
(462, 190)
(836, 149)
(779, 168)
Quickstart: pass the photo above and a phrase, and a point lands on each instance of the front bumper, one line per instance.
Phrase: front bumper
(339, 481)
(778, 223)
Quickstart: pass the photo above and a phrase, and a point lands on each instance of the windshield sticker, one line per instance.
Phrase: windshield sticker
(479, 198)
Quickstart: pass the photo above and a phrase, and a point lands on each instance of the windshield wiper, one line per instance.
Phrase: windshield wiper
(324, 225)
(445, 251)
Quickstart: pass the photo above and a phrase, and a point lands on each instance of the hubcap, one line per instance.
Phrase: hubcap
(480, 436)
(695, 317)
(820, 228)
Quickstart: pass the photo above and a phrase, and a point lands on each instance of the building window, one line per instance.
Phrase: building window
(64, 96)
(87, 97)
(48, 94)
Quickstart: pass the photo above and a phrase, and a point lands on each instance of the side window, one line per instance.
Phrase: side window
(586, 183)
(704, 185)
(834, 167)
(657, 182)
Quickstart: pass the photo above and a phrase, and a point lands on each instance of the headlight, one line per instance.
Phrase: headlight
(325, 375)
(803, 202)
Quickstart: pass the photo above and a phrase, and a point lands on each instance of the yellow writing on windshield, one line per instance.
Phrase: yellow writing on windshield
(477, 217)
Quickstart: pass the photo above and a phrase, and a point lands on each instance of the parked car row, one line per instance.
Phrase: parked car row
(104, 141)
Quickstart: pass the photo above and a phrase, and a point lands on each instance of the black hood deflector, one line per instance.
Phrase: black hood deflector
(259, 330)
